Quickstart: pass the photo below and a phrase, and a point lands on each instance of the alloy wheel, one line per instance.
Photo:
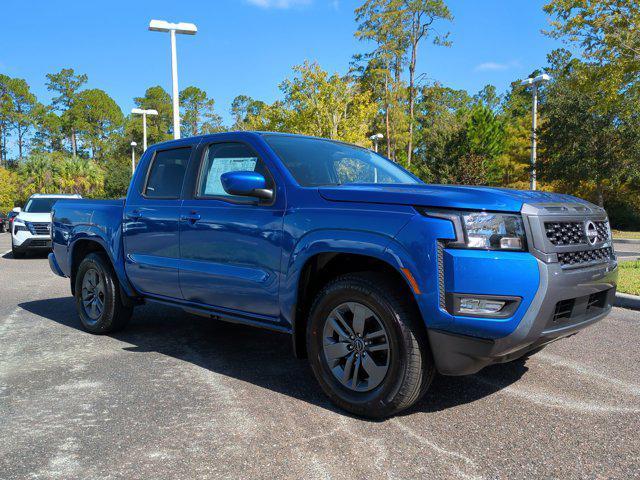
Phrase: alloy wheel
(93, 294)
(356, 346)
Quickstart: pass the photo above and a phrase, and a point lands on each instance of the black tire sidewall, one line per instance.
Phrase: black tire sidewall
(106, 320)
(15, 252)
(376, 402)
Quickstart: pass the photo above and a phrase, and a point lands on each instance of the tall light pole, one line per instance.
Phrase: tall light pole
(375, 138)
(144, 113)
(133, 157)
(173, 28)
(534, 82)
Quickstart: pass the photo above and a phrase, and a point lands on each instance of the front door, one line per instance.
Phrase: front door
(230, 246)
(151, 225)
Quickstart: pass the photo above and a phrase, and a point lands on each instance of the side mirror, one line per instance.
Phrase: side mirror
(246, 184)
(17, 209)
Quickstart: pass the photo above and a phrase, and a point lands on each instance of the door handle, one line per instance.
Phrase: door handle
(134, 214)
(192, 217)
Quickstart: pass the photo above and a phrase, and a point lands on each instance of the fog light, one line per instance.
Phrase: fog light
(483, 306)
(480, 306)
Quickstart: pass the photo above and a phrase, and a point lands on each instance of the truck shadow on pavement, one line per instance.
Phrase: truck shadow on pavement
(258, 356)
(28, 256)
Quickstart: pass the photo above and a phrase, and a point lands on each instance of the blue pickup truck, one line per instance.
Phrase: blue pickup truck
(380, 279)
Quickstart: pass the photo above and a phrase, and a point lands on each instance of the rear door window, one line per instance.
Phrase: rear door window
(166, 173)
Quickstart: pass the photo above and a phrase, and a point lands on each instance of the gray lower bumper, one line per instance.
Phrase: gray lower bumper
(462, 355)
(34, 244)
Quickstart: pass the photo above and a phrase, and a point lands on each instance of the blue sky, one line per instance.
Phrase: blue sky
(249, 46)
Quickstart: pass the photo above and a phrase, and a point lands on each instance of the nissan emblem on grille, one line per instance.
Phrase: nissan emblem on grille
(591, 231)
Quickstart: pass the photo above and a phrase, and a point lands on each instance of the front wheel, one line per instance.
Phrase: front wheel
(367, 347)
(98, 297)
(17, 253)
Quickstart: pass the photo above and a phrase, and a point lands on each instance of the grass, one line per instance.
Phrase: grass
(629, 279)
(626, 235)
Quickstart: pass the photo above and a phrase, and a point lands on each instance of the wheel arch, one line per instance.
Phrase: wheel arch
(85, 245)
(314, 263)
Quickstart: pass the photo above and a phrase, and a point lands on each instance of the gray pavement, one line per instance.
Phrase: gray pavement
(177, 396)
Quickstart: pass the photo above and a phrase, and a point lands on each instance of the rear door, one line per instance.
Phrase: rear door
(231, 246)
(151, 225)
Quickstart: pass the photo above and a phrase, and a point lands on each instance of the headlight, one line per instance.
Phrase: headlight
(485, 230)
(493, 231)
(18, 226)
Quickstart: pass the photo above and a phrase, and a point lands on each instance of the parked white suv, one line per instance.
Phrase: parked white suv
(31, 229)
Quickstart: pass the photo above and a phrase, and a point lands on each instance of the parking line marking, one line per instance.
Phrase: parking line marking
(581, 369)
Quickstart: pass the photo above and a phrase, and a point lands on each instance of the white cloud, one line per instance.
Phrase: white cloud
(282, 4)
(490, 66)
(496, 66)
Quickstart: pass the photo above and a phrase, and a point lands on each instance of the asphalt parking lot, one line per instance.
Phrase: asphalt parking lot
(178, 396)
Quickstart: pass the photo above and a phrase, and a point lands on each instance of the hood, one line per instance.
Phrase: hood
(34, 217)
(444, 196)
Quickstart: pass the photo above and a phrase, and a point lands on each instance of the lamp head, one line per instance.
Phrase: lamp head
(164, 26)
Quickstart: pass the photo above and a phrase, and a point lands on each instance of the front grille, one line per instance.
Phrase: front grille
(597, 300)
(565, 233)
(40, 243)
(39, 228)
(575, 308)
(585, 256)
(573, 233)
(563, 309)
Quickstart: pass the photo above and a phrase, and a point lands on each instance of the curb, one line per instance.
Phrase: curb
(625, 300)
(626, 240)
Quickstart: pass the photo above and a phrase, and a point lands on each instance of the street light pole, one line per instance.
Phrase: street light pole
(534, 139)
(144, 114)
(174, 81)
(133, 157)
(534, 82)
(173, 28)
(375, 138)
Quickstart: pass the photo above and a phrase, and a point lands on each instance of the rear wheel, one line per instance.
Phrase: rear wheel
(98, 297)
(367, 347)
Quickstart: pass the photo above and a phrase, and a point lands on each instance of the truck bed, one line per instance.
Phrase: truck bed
(74, 220)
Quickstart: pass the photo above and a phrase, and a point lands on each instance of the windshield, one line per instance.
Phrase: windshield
(40, 205)
(314, 162)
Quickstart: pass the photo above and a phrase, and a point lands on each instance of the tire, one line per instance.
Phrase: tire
(95, 270)
(408, 361)
(18, 254)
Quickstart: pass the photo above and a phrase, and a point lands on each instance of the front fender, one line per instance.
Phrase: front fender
(371, 244)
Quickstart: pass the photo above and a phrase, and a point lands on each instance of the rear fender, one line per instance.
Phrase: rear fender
(111, 242)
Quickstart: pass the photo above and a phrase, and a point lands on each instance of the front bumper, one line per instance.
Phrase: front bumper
(33, 243)
(566, 302)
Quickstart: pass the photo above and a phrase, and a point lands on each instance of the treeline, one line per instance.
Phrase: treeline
(588, 136)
